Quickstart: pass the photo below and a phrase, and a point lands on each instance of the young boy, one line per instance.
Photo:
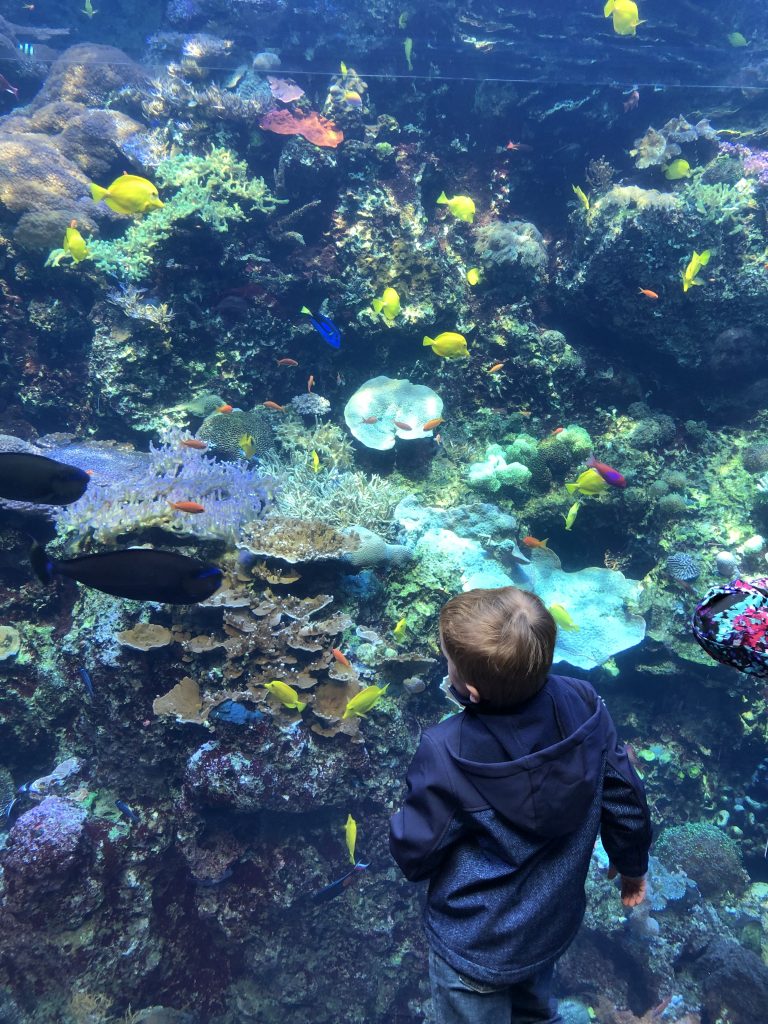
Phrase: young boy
(504, 804)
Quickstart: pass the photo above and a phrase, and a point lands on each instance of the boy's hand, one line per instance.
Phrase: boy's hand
(632, 889)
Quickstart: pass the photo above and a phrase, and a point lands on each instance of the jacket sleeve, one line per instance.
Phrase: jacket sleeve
(418, 835)
(625, 825)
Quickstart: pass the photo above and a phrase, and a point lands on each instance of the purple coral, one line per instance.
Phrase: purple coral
(44, 844)
(233, 494)
(753, 161)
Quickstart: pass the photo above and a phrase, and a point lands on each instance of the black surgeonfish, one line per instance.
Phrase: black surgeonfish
(140, 574)
(25, 476)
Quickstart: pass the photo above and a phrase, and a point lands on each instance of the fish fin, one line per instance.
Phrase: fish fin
(42, 565)
(428, 341)
(300, 705)
(442, 198)
(544, 542)
(305, 310)
(97, 193)
(378, 305)
(570, 488)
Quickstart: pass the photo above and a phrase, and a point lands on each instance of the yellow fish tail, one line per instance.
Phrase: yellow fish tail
(378, 305)
(607, 10)
(442, 198)
(97, 193)
(428, 341)
(300, 705)
(571, 488)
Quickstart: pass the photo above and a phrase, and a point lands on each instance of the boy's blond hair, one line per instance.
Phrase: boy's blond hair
(501, 642)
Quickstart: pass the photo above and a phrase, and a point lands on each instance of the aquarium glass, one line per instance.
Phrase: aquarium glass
(313, 315)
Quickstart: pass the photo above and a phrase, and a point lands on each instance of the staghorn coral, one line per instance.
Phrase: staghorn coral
(339, 498)
(211, 187)
(139, 498)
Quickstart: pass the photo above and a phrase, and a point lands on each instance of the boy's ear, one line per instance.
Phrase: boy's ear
(474, 695)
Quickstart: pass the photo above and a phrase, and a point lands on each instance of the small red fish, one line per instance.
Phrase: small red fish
(370, 419)
(648, 293)
(225, 408)
(631, 102)
(533, 542)
(431, 424)
(608, 473)
(495, 368)
(274, 406)
(89, 472)
(519, 147)
(341, 658)
(557, 430)
(402, 426)
(287, 362)
(193, 507)
(310, 382)
(194, 442)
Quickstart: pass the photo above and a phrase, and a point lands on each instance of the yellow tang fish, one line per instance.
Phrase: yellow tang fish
(88, 9)
(400, 628)
(570, 519)
(315, 461)
(473, 276)
(408, 47)
(247, 445)
(364, 701)
(74, 244)
(449, 345)
(562, 618)
(625, 15)
(589, 482)
(697, 261)
(128, 194)
(677, 169)
(388, 304)
(462, 207)
(285, 694)
(737, 39)
(402, 21)
(350, 834)
(581, 195)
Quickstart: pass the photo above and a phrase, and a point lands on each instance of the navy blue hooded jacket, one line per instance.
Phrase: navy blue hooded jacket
(501, 815)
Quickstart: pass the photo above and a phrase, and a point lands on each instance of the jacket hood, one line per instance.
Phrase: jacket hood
(537, 765)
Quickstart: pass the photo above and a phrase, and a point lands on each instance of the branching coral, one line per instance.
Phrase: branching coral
(232, 495)
(338, 498)
(210, 187)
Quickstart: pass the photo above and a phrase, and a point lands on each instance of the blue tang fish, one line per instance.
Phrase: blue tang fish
(326, 328)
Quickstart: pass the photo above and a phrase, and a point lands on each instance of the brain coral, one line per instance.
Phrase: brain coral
(706, 854)
(386, 401)
(223, 431)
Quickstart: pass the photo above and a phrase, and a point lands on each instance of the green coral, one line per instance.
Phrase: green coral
(495, 472)
(709, 856)
(210, 187)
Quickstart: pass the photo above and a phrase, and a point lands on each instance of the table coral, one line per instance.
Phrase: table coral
(376, 411)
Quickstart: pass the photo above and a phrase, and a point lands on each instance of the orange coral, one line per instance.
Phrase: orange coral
(312, 126)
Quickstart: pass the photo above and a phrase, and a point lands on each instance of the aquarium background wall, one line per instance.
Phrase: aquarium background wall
(385, 277)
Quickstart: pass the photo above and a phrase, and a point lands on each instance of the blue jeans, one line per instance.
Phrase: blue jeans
(458, 999)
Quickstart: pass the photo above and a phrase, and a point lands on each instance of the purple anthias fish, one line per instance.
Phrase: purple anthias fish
(608, 473)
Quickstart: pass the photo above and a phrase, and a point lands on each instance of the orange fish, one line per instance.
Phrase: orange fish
(187, 506)
(287, 362)
(225, 408)
(370, 419)
(89, 472)
(557, 430)
(648, 293)
(495, 368)
(194, 442)
(403, 426)
(274, 406)
(532, 542)
(519, 147)
(341, 658)
(431, 424)
(310, 382)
